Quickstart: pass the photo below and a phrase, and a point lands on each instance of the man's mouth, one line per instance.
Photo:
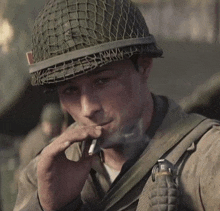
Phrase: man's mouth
(104, 123)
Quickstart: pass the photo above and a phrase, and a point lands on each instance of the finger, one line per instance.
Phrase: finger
(79, 134)
(72, 135)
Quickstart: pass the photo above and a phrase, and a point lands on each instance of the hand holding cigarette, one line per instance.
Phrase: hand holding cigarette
(53, 161)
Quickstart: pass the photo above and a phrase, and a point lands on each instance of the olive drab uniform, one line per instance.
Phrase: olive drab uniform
(35, 141)
(197, 178)
(38, 138)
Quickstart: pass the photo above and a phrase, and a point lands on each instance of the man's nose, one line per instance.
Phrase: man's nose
(90, 105)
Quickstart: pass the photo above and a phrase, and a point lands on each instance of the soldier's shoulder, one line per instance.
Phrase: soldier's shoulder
(29, 173)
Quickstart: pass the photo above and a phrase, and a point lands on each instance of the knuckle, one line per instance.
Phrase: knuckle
(44, 151)
(84, 133)
(77, 133)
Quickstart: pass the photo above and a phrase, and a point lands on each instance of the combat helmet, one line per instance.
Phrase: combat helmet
(73, 37)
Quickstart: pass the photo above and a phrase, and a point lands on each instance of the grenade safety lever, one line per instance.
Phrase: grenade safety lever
(164, 192)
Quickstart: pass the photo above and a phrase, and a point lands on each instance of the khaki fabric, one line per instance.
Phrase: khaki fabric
(199, 178)
(33, 143)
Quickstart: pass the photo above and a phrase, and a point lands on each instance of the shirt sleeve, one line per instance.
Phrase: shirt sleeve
(200, 178)
(27, 198)
(210, 174)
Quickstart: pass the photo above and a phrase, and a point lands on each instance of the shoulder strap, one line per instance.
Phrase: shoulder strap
(165, 142)
(176, 153)
(186, 143)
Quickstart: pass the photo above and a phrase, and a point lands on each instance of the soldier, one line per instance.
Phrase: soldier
(52, 123)
(128, 149)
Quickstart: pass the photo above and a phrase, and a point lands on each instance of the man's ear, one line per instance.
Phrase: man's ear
(145, 65)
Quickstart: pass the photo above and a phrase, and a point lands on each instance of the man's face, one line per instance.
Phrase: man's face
(113, 96)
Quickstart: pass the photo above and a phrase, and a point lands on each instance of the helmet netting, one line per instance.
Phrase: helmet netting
(69, 25)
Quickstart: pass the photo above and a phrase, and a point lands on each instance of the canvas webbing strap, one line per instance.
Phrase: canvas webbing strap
(176, 153)
(154, 151)
(193, 137)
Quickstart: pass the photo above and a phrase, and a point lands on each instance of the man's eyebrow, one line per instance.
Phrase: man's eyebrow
(97, 72)
(88, 74)
(64, 83)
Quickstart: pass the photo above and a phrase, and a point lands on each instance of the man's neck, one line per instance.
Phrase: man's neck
(114, 158)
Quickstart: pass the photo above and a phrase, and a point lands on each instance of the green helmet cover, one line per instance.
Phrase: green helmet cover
(73, 37)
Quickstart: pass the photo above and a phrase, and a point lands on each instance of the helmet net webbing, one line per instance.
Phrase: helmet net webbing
(68, 25)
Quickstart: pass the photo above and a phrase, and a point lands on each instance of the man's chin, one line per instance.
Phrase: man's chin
(111, 140)
(108, 145)
(130, 138)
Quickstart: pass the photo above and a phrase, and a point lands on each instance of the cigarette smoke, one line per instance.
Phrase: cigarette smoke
(131, 139)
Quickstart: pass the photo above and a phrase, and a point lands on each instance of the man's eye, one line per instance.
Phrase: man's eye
(70, 90)
(101, 81)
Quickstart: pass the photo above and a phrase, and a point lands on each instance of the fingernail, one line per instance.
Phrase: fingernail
(98, 132)
(98, 127)
(67, 143)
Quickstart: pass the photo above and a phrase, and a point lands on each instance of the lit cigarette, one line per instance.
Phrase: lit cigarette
(92, 147)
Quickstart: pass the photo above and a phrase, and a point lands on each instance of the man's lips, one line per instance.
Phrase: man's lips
(105, 123)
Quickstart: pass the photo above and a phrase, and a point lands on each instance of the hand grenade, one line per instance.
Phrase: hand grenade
(164, 192)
